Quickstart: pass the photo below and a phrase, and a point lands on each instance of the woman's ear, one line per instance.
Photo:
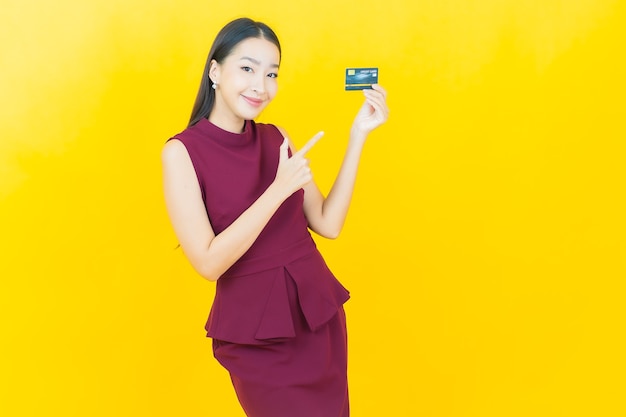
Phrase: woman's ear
(214, 70)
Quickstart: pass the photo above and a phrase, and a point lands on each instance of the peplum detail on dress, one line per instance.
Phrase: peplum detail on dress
(251, 304)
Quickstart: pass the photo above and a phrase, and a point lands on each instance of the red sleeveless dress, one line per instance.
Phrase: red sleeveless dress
(277, 320)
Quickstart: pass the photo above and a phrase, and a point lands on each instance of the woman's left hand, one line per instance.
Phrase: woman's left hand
(374, 111)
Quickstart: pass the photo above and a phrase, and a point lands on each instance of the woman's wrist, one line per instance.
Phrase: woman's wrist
(357, 135)
(275, 195)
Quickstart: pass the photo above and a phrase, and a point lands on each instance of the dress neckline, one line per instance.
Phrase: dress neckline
(224, 136)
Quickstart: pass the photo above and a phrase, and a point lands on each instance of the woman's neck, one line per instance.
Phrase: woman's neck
(231, 123)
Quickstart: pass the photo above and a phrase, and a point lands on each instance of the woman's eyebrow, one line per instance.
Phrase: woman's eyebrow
(256, 61)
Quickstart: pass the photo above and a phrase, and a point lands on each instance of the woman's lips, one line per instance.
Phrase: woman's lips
(255, 102)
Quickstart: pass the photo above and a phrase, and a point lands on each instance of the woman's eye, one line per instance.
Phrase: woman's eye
(246, 69)
(272, 75)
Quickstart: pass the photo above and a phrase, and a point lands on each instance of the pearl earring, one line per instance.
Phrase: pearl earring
(214, 86)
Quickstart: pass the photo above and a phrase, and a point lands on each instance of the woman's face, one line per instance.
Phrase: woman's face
(246, 82)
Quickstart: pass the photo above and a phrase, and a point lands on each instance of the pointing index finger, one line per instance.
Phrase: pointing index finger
(307, 147)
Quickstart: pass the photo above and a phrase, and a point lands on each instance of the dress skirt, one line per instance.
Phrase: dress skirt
(303, 376)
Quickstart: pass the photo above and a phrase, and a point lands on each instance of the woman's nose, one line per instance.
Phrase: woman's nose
(259, 85)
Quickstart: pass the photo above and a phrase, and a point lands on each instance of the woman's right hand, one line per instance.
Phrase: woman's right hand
(293, 172)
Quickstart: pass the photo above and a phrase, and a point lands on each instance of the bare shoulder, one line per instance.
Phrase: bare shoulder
(174, 152)
(286, 136)
(282, 131)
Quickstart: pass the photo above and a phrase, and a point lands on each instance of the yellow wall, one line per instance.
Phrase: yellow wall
(485, 250)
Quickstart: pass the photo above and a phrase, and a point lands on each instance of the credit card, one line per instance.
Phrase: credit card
(361, 78)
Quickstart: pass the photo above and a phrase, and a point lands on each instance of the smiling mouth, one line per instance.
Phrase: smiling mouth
(255, 102)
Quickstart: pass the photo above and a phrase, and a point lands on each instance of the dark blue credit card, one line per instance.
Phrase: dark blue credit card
(361, 78)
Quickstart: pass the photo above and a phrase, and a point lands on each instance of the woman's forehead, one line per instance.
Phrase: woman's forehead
(257, 51)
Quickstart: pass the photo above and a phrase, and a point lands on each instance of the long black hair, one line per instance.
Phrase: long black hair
(226, 40)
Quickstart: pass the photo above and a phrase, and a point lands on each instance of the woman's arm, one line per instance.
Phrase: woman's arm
(326, 216)
(209, 254)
